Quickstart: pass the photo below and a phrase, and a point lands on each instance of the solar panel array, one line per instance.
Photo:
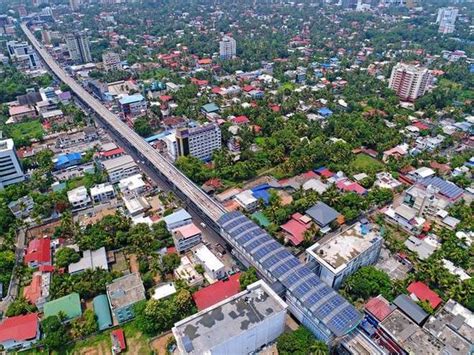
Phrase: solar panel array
(446, 188)
(322, 302)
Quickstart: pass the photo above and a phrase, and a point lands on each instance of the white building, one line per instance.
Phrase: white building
(91, 259)
(227, 48)
(23, 55)
(238, 325)
(78, 47)
(385, 180)
(120, 168)
(177, 219)
(409, 81)
(171, 146)
(447, 19)
(186, 237)
(111, 61)
(200, 141)
(187, 272)
(132, 185)
(136, 205)
(337, 258)
(247, 200)
(79, 198)
(213, 266)
(10, 169)
(164, 290)
(102, 192)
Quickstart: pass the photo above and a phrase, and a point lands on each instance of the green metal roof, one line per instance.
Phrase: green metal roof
(102, 311)
(261, 218)
(70, 305)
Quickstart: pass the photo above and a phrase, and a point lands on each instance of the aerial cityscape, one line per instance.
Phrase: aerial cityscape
(237, 177)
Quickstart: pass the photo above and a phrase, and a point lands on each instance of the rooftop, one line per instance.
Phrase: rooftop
(119, 162)
(345, 246)
(424, 293)
(322, 214)
(125, 290)
(129, 99)
(19, 328)
(217, 292)
(164, 290)
(411, 337)
(228, 319)
(178, 216)
(187, 231)
(410, 308)
(95, 259)
(70, 305)
(207, 257)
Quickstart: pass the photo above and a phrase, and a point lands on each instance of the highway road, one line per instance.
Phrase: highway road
(211, 208)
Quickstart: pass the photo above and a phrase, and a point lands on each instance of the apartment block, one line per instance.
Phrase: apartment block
(409, 81)
(227, 48)
(447, 19)
(339, 257)
(199, 142)
(10, 169)
(120, 168)
(78, 47)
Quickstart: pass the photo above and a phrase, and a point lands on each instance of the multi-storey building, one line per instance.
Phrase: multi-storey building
(241, 324)
(133, 105)
(447, 19)
(78, 47)
(120, 168)
(123, 293)
(75, 4)
(199, 142)
(409, 81)
(337, 258)
(227, 48)
(23, 55)
(186, 237)
(10, 169)
(111, 61)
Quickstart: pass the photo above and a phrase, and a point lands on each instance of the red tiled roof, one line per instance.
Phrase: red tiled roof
(421, 126)
(19, 328)
(46, 268)
(205, 61)
(295, 229)
(349, 186)
(216, 90)
(241, 120)
(112, 152)
(424, 293)
(119, 337)
(248, 88)
(310, 175)
(33, 291)
(217, 292)
(379, 307)
(39, 250)
(165, 98)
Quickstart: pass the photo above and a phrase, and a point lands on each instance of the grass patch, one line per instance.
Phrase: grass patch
(24, 132)
(367, 164)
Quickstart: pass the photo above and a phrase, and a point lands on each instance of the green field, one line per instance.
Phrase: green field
(367, 164)
(22, 133)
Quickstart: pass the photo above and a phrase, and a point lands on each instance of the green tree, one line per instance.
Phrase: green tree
(170, 262)
(66, 256)
(85, 325)
(55, 334)
(248, 277)
(19, 306)
(142, 127)
(300, 342)
(367, 282)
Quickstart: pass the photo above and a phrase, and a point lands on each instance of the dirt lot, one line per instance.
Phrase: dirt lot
(159, 344)
(47, 229)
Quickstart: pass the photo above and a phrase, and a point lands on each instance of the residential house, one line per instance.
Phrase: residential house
(120, 168)
(323, 215)
(123, 293)
(69, 305)
(294, 230)
(19, 332)
(102, 192)
(38, 252)
(177, 219)
(186, 237)
(91, 259)
(214, 268)
(79, 198)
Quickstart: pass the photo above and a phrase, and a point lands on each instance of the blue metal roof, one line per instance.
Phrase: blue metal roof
(446, 188)
(178, 216)
(261, 192)
(325, 111)
(129, 99)
(321, 301)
